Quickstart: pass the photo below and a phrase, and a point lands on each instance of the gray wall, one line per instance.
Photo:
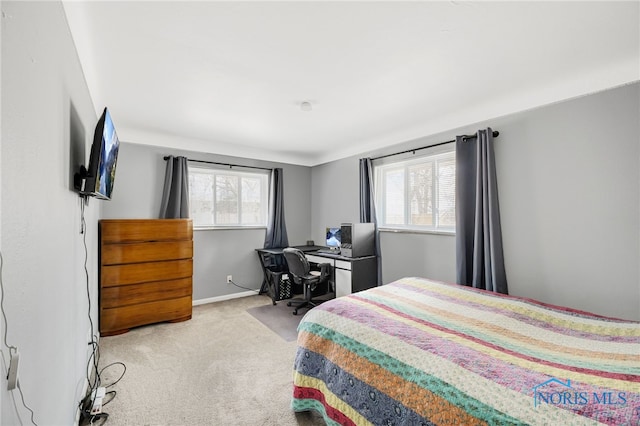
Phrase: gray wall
(570, 175)
(569, 188)
(47, 125)
(217, 253)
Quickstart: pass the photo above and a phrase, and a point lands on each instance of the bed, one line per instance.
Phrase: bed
(421, 352)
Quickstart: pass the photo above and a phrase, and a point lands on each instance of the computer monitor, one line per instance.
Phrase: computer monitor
(333, 238)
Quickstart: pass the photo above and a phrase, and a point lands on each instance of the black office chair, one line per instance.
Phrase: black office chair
(314, 283)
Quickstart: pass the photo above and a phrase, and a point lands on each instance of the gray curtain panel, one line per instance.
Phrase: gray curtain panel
(368, 205)
(276, 235)
(175, 194)
(479, 254)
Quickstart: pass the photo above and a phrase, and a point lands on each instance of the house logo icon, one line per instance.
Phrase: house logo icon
(539, 395)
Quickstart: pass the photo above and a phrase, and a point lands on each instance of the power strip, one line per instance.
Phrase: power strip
(12, 375)
(98, 393)
(96, 396)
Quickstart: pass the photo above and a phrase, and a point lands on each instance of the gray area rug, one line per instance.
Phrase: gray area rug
(279, 318)
(222, 367)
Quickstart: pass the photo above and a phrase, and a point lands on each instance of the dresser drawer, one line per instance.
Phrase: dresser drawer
(120, 319)
(116, 275)
(113, 297)
(134, 230)
(113, 254)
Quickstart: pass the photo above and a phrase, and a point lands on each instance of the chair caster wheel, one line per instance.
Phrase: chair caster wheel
(274, 303)
(288, 303)
(295, 312)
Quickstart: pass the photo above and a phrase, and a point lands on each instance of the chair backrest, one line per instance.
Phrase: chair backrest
(297, 262)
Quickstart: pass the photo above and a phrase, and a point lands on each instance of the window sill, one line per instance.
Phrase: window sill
(417, 231)
(228, 228)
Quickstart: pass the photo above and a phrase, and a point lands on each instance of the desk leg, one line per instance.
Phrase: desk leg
(265, 280)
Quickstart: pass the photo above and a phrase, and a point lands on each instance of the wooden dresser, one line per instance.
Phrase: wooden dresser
(146, 268)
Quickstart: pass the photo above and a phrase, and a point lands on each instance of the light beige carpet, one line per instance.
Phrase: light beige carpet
(222, 367)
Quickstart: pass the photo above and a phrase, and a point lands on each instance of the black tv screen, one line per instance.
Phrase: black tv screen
(102, 163)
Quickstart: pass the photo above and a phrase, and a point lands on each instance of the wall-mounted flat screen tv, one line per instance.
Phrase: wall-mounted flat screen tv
(100, 175)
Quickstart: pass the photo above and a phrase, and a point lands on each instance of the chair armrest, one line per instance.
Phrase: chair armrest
(325, 269)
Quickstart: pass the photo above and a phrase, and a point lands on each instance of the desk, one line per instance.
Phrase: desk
(348, 275)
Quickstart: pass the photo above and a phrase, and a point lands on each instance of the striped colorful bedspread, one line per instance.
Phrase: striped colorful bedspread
(420, 352)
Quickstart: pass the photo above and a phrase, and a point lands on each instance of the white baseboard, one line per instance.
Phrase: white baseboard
(224, 297)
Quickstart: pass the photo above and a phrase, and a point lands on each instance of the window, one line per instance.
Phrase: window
(227, 198)
(417, 194)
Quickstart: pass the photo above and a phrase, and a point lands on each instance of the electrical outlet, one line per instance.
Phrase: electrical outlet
(229, 279)
(97, 406)
(12, 375)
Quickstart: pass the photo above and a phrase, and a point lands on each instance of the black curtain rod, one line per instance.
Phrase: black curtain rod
(495, 135)
(222, 164)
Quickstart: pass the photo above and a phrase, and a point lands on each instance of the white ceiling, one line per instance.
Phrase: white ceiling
(229, 77)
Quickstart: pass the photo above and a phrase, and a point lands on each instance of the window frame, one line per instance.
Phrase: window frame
(442, 153)
(263, 175)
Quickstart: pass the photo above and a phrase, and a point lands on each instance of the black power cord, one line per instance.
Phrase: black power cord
(87, 403)
(246, 288)
(89, 400)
